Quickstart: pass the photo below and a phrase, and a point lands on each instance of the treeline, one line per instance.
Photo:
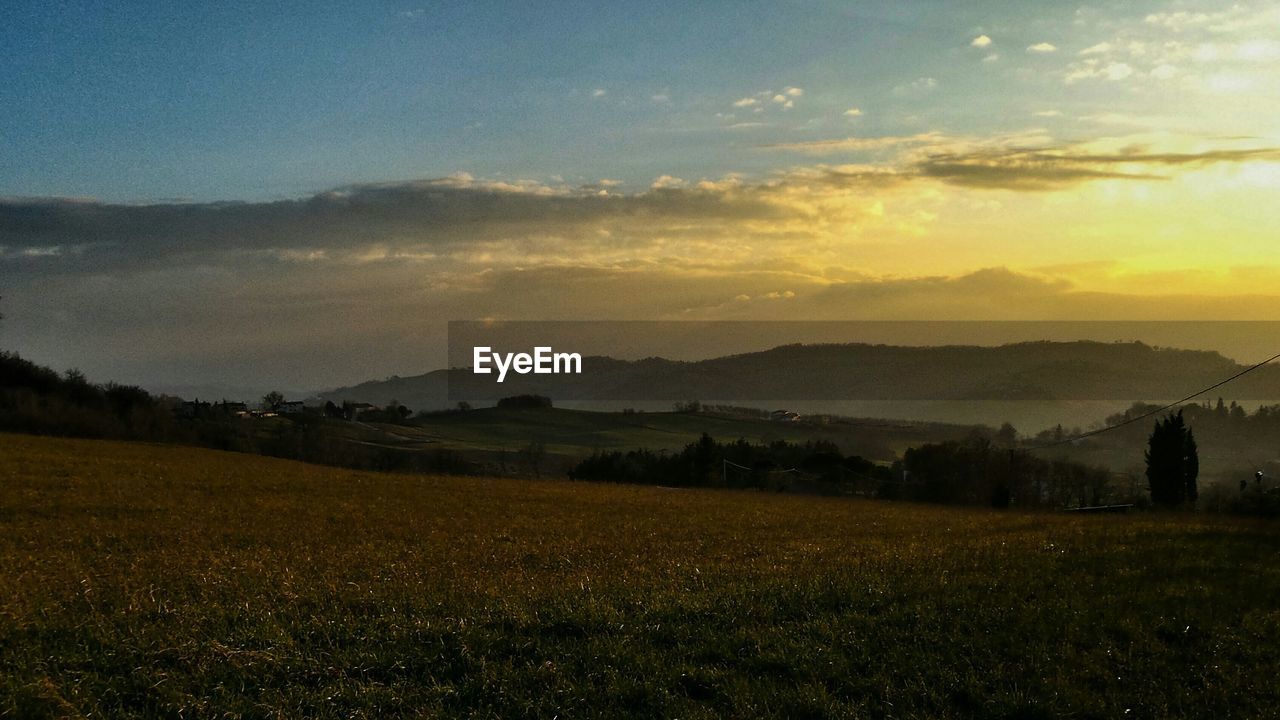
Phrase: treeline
(972, 472)
(815, 466)
(977, 471)
(39, 401)
(1216, 422)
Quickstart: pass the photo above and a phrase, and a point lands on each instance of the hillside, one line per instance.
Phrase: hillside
(159, 581)
(1041, 371)
(569, 435)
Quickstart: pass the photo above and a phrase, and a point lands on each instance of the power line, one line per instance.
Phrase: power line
(730, 463)
(1156, 411)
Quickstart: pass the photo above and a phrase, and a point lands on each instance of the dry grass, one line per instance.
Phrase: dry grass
(140, 580)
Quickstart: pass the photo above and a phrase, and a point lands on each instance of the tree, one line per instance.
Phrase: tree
(1173, 463)
(1007, 435)
(525, 402)
(272, 400)
(704, 461)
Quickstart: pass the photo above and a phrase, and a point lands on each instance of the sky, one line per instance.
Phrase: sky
(303, 194)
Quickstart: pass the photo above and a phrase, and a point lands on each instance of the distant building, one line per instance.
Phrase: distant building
(357, 409)
(192, 409)
(238, 409)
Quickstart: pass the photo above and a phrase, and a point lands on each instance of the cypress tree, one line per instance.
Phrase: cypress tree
(1173, 463)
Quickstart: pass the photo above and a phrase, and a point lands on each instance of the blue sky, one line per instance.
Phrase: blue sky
(145, 101)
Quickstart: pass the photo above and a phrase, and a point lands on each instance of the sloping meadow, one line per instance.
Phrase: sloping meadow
(142, 580)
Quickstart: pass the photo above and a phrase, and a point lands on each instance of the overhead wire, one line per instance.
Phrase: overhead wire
(1149, 413)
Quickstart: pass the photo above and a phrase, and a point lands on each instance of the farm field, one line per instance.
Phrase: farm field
(143, 580)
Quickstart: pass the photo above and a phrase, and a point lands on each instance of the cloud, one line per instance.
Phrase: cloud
(447, 217)
(1042, 48)
(667, 182)
(1179, 20)
(856, 144)
(1054, 168)
(1099, 49)
(296, 292)
(980, 42)
(1094, 69)
(853, 112)
(1117, 71)
(916, 87)
(1017, 172)
(785, 99)
(1258, 51)
(661, 98)
(1047, 113)
(1028, 161)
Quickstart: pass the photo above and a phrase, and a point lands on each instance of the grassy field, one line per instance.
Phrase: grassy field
(141, 580)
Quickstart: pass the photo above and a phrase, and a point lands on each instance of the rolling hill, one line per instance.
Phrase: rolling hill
(1040, 371)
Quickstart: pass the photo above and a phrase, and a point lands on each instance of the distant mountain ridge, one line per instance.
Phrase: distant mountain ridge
(1044, 370)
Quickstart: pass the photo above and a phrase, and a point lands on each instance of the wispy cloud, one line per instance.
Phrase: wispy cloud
(1056, 167)
(916, 87)
(856, 144)
(1026, 162)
